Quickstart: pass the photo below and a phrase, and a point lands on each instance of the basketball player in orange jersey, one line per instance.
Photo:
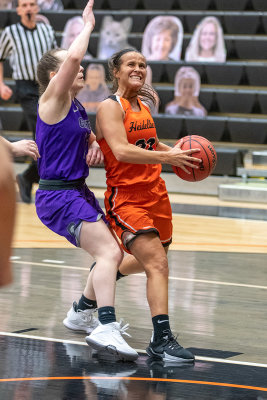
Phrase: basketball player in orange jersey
(136, 200)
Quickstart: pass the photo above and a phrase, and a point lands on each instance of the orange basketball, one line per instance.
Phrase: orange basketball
(207, 154)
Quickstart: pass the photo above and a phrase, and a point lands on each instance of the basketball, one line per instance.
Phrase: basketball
(207, 154)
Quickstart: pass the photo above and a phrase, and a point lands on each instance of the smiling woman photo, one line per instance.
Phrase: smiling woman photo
(163, 38)
(207, 43)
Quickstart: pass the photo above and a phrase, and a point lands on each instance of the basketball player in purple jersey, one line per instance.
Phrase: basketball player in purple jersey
(63, 201)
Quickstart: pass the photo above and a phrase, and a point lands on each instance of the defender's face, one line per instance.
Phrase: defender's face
(78, 82)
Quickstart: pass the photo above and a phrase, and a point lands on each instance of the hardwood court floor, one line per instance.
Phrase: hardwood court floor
(191, 232)
(217, 302)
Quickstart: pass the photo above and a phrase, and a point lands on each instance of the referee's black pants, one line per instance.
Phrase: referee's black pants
(27, 95)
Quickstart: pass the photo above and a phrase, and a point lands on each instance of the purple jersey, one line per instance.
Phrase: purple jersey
(63, 146)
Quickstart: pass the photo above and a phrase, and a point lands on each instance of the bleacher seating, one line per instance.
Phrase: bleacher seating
(122, 4)
(236, 5)
(228, 160)
(243, 130)
(234, 93)
(259, 5)
(12, 118)
(233, 22)
(232, 102)
(194, 4)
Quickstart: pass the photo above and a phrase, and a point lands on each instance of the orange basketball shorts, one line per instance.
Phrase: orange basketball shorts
(140, 209)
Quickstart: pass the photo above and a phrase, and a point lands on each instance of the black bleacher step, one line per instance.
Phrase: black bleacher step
(12, 118)
(122, 4)
(227, 161)
(231, 5)
(158, 4)
(240, 129)
(227, 99)
(259, 5)
(80, 4)
(235, 100)
(233, 22)
(247, 130)
(227, 5)
(194, 4)
(229, 157)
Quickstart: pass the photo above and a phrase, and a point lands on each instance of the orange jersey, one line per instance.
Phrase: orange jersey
(141, 131)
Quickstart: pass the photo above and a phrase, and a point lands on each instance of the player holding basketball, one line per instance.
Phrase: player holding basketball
(63, 201)
(136, 200)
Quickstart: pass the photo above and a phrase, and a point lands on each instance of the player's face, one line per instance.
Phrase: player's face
(208, 36)
(132, 71)
(187, 87)
(93, 78)
(161, 45)
(27, 7)
(78, 83)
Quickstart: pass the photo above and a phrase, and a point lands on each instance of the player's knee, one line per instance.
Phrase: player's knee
(158, 265)
(115, 255)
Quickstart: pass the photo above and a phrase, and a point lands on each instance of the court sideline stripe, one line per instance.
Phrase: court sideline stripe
(131, 378)
(142, 274)
(141, 351)
(231, 245)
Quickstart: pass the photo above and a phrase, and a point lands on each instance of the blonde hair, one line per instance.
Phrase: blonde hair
(160, 24)
(193, 50)
(187, 73)
(67, 30)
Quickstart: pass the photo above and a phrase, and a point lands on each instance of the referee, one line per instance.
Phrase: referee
(25, 43)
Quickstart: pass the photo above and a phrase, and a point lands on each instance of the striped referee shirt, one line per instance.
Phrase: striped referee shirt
(25, 47)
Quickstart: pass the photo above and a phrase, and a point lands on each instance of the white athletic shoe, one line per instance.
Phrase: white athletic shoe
(109, 337)
(81, 320)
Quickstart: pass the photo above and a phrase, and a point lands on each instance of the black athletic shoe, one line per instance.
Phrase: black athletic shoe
(25, 189)
(168, 349)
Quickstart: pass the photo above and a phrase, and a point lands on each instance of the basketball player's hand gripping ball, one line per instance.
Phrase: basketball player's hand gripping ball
(207, 154)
